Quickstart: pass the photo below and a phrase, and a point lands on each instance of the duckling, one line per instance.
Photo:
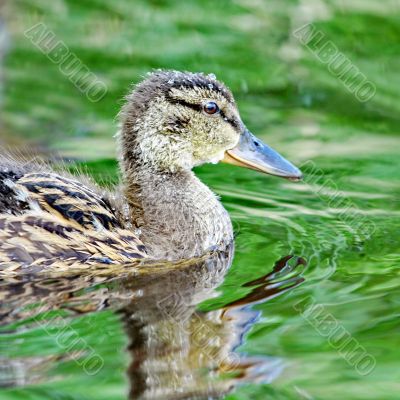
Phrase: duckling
(171, 122)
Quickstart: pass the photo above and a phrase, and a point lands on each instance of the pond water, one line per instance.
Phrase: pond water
(306, 305)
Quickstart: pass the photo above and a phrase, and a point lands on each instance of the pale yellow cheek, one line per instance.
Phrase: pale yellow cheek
(212, 148)
(230, 137)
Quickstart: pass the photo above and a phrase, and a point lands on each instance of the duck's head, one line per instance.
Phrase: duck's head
(173, 121)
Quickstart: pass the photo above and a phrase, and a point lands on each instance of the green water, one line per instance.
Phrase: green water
(343, 219)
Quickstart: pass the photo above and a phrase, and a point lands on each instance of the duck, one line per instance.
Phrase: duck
(170, 122)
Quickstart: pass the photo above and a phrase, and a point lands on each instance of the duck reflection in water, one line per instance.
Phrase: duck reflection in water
(176, 350)
(179, 352)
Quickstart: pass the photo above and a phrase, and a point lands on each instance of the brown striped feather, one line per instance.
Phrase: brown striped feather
(48, 220)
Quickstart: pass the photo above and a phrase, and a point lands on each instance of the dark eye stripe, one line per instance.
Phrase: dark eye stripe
(230, 121)
(184, 103)
(199, 108)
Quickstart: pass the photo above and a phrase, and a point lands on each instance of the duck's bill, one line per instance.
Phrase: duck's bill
(251, 153)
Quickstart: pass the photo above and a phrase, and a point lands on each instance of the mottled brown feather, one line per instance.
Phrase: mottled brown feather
(47, 220)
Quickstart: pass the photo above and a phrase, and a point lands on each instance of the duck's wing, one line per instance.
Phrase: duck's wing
(47, 219)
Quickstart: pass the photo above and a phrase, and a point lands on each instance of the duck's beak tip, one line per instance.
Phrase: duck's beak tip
(296, 178)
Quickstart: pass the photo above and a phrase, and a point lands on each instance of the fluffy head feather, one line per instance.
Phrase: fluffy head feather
(164, 125)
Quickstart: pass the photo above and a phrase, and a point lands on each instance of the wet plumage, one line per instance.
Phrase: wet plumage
(47, 219)
(171, 122)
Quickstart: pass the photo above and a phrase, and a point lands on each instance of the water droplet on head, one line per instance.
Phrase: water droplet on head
(210, 86)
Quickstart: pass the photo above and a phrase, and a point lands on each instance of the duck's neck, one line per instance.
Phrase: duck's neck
(178, 216)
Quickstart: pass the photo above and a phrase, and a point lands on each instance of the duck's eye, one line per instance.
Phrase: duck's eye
(211, 107)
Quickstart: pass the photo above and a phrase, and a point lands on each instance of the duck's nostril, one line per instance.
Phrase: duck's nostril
(256, 143)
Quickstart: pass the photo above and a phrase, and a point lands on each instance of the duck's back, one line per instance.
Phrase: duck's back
(49, 219)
